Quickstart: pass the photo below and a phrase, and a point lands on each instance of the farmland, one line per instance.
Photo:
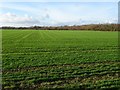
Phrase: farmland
(40, 59)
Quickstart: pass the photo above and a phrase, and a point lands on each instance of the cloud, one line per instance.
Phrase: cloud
(12, 19)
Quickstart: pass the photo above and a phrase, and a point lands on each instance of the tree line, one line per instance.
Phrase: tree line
(97, 27)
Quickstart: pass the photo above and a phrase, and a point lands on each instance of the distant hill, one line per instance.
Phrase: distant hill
(96, 27)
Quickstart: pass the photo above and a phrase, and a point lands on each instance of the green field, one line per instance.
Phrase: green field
(33, 59)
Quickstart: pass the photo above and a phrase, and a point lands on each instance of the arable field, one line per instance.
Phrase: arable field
(43, 59)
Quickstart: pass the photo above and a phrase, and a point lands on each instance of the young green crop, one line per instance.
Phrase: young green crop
(60, 59)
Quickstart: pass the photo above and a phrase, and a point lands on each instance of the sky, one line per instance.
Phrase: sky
(59, 0)
(57, 13)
